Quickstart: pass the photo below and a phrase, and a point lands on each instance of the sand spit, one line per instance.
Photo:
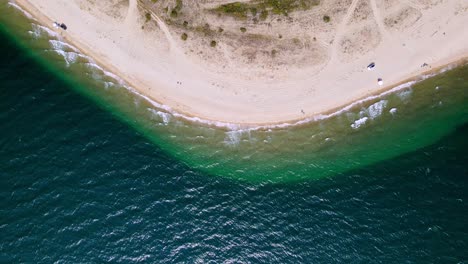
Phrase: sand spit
(232, 83)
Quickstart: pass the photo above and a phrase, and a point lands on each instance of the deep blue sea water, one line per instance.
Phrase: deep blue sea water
(79, 185)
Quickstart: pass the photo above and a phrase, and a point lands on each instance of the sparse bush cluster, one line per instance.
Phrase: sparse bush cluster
(176, 10)
(147, 16)
(240, 10)
(273, 53)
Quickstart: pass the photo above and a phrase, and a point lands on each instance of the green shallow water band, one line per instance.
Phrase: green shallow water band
(376, 130)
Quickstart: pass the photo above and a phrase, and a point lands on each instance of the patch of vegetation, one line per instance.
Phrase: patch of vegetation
(179, 5)
(326, 19)
(273, 53)
(236, 9)
(264, 14)
(213, 44)
(147, 16)
(205, 30)
(243, 29)
(184, 36)
(286, 6)
(176, 10)
(240, 10)
(185, 23)
(253, 11)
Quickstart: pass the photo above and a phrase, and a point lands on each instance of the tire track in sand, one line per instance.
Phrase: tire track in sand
(341, 30)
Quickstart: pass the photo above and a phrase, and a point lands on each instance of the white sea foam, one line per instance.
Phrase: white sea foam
(97, 72)
(373, 111)
(113, 76)
(108, 84)
(94, 66)
(60, 45)
(67, 51)
(38, 30)
(47, 30)
(26, 13)
(166, 117)
(233, 137)
(70, 57)
(393, 111)
(376, 109)
(405, 95)
(359, 122)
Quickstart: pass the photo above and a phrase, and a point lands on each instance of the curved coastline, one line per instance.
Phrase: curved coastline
(397, 122)
(159, 102)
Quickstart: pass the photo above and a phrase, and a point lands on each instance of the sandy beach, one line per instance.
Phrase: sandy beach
(280, 70)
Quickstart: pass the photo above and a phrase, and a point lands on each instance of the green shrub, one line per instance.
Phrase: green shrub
(243, 29)
(326, 19)
(184, 36)
(148, 17)
(179, 5)
(240, 9)
(264, 14)
(253, 10)
(236, 9)
(213, 44)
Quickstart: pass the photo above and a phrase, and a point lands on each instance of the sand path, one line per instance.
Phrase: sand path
(379, 21)
(341, 31)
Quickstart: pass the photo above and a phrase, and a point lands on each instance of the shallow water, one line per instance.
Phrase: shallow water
(84, 177)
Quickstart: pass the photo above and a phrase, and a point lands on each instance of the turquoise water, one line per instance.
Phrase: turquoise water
(84, 177)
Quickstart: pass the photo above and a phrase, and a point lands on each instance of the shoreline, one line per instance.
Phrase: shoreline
(328, 114)
(136, 86)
